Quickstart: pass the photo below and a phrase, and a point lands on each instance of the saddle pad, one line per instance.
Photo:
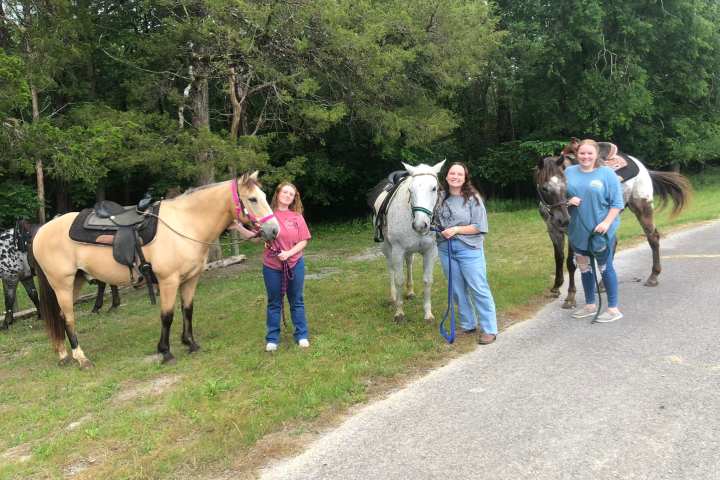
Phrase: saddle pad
(631, 170)
(80, 234)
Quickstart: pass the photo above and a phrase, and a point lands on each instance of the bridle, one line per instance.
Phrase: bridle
(240, 209)
(548, 207)
(415, 208)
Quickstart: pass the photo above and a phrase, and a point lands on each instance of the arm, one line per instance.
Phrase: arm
(604, 226)
(478, 222)
(299, 247)
(460, 230)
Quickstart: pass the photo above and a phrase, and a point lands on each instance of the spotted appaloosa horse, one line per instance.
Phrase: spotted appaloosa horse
(14, 268)
(638, 193)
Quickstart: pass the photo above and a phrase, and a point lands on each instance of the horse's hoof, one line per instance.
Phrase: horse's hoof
(568, 304)
(410, 295)
(399, 317)
(430, 318)
(651, 282)
(64, 362)
(4, 326)
(168, 359)
(95, 310)
(193, 347)
(553, 294)
(86, 364)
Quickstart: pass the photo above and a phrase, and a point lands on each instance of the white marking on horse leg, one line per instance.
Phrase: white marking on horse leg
(80, 357)
(428, 267)
(397, 268)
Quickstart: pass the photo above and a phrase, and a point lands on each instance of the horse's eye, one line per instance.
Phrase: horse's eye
(434, 189)
(253, 199)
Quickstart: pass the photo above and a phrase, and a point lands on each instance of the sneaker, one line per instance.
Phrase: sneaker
(303, 343)
(486, 338)
(607, 317)
(270, 347)
(583, 312)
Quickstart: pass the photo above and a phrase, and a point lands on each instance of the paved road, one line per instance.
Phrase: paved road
(558, 398)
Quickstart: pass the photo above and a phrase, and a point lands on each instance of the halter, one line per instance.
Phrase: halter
(424, 210)
(240, 209)
(547, 207)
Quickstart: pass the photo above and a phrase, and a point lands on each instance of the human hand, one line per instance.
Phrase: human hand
(449, 232)
(602, 227)
(574, 201)
(284, 255)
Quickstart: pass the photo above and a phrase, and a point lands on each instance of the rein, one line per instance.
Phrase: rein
(287, 276)
(239, 211)
(449, 336)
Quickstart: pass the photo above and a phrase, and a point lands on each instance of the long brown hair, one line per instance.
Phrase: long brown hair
(468, 190)
(296, 205)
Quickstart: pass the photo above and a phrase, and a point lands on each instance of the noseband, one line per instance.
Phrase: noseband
(240, 209)
(547, 207)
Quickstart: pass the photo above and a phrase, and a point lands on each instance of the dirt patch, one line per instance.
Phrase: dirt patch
(150, 388)
(323, 273)
(21, 453)
(78, 467)
(368, 254)
(73, 425)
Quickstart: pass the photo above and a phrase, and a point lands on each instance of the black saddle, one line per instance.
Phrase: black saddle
(127, 229)
(393, 182)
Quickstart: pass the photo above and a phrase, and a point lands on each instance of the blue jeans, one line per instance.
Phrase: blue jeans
(273, 279)
(470, 286)
(609, 276)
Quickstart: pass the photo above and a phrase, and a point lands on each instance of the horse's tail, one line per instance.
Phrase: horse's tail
(671, 186)
(49, 306)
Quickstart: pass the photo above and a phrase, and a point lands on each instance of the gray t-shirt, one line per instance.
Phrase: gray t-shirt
(454, 211)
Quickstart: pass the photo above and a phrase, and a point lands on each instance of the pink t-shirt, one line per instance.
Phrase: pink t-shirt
(293, 230)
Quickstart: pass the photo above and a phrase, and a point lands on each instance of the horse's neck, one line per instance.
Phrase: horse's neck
(206, 210)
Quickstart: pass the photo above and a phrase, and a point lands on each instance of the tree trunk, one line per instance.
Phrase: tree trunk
(201, 122)
(39, 169)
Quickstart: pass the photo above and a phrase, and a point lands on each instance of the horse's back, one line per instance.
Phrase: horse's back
(640, 186)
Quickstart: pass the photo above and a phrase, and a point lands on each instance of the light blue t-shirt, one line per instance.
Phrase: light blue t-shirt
(599, 190)
(455, 211)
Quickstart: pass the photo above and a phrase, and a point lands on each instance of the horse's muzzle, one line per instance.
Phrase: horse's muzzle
(421, 226)
(269, 231)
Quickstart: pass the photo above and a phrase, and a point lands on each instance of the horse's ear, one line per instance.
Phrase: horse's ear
(254, 176)
(410, 169)
(560, 161)
(438, 166)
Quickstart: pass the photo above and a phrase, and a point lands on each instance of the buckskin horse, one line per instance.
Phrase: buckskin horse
(638, 193)
(186, 227)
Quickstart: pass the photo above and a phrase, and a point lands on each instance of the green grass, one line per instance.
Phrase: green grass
(231, 395)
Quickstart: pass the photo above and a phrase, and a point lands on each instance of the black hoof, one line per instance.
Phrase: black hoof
(168, 359)
(95, 310)
(399, 318)
(4, 326)
(194, 347)
(567, 304)
(651, 282)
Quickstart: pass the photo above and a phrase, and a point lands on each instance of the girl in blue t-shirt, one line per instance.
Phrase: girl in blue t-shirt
(597, 196)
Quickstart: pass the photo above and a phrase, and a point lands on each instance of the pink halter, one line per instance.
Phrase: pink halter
(240, 207)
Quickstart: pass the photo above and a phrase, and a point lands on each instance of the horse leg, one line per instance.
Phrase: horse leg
(387, 250)
(99, 297)
(66, 295)
(428, 267)
(643, 211)
(570, 301)
(9, 289)
(168, 292)
(187, 293)
(397, 260)
(115, 298)
(409, 285)
(29, 285)
(558, 241)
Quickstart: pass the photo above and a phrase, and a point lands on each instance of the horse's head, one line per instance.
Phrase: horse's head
(552, 190)
(252, 207)
(424, 188)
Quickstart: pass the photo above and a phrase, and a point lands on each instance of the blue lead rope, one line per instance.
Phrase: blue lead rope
(449, 336)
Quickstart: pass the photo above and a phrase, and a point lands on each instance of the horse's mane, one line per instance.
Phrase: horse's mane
(246, 180)
(547, 170)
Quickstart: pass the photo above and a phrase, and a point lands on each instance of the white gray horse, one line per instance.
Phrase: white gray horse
(406, 231)
(14, 269)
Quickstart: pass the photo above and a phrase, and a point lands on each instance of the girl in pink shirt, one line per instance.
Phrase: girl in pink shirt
(284, 267)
